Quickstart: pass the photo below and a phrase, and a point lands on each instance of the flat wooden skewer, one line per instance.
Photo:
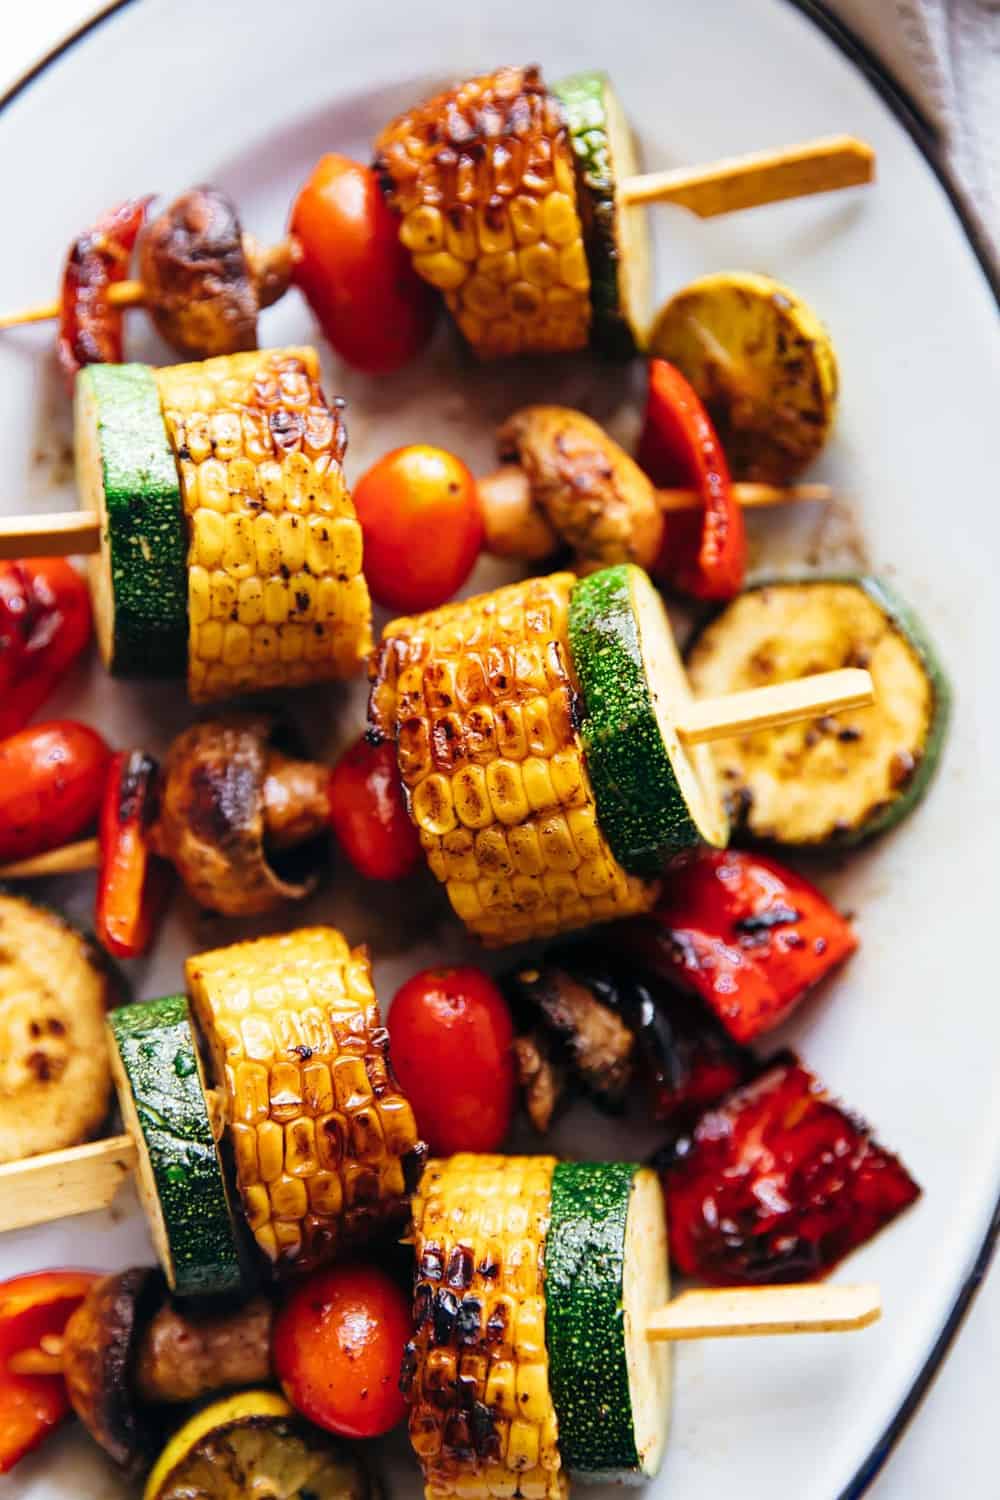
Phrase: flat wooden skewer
(77, 533)
(721, 187)
(740, 1312)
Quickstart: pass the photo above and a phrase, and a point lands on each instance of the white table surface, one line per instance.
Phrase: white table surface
(950, 1448)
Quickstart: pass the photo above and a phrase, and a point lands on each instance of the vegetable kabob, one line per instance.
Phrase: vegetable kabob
(519, 203)
(225, 545)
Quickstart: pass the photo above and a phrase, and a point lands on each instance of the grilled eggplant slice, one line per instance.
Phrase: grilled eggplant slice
(838, 779)
(55, 1078)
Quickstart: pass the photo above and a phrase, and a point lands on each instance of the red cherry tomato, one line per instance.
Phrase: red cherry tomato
(359, 280)
(31, 1406)
(369, 814)
(51, 782)
(451, 1036)
(423, 527)
(338, 1348)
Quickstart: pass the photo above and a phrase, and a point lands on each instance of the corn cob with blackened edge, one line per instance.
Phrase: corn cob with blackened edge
(276, 595)
(322, 1137)
(480, 698)
(482, 1420)
(483, 179)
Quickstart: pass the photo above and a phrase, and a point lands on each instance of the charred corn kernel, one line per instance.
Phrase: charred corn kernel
(321, 1134)
(479, 697)
(475, 174)
(274, 560)
(482, 1421)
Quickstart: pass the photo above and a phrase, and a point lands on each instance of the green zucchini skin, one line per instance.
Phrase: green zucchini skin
(584, 1269)
(584, 100)
(902, 616)
(156, 1047)
(640, 805)
(140, 579)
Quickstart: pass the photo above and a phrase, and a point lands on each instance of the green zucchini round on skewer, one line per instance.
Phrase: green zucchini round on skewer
(606, 1272)
(655, 796)
(763, 364)
(838, 779)
(127, 474)
(616, 236)
(155, 1065)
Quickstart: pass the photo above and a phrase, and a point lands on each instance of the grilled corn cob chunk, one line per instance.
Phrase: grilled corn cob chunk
(480, 699)
(482, 1422)
(483, 179)
(276, 596)
(322, 1137)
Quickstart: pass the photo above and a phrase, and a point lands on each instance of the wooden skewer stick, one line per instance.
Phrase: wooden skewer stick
(71, 533)
(61, 1183)
(737, 182)
(120, 294)
(707, 719)
(86, 855)
(62, 533)
(738, 1312)
(726, 1313)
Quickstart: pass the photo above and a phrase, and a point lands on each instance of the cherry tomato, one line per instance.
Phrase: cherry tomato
(338, 1348)
(369, 815)
(451, 1036)
(51, 782)
(32, 1405)
(359, 280)
(422, 524)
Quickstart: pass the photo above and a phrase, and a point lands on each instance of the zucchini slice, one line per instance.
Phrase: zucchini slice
(841, 778)
(255, 1444)
(763, 364)
(155, 1064)
(55, 1082)
(127, 473)
(654, 795)
(606, 1271)
(616, 236)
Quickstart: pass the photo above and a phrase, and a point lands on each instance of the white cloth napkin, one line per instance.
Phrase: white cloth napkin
(946, 55)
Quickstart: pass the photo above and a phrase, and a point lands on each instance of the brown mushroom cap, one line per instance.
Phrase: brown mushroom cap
(100, 1345)
(212, 819)
(592, 494)
(200, 288)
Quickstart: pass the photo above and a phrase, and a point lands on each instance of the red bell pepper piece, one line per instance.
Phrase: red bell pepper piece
(704, 552)
(90, 328)
(31, 1307)
(132, 882)
(778, 1183)
(45, 623)
(746, 934)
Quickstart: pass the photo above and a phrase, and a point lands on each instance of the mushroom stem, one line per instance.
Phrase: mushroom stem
(270, 266)
(515, 526)
(296, 800)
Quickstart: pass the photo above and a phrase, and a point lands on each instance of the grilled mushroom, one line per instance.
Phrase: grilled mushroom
(595, 1042)
(544, 1081)
(205, 279)
(564, 477)
(99, 1354)
(184, 1356)
(243, 822)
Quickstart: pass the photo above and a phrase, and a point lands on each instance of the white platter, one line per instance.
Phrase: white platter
(170, 92)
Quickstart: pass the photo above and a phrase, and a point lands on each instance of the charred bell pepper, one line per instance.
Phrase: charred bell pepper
(132, 882)
(704, 552)
(32, 1308)
(90, 327)
(745, 933)
(777, 1183)
(45, 623)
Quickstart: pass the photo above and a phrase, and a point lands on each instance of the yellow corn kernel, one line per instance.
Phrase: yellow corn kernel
(253, 429)
(313, 1177)
(442, 270)
(423, 231)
